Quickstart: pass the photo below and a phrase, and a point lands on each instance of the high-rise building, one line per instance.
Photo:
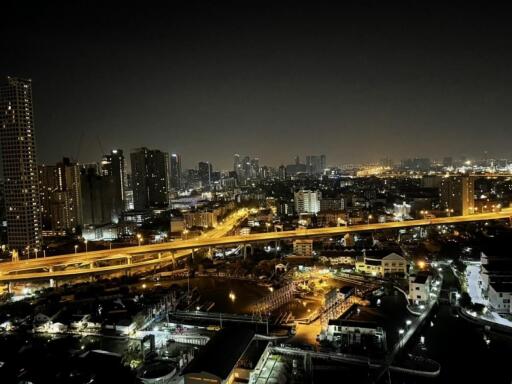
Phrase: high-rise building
(417, 164)
(60, 195)
(113, 169)
(307, 201)
(150, 178)
(255, 168)
(236, 162)
(96, 196)
(175, 171)
(205, 171)
(282, 172)
(456, 195)
(18, 144)
(315, 164)
(448, 161)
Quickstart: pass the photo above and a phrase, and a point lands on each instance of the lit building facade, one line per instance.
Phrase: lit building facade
(457, 195)
(60, 192)
(18, 144)
(307, 201)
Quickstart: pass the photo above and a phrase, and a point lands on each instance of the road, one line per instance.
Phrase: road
(45, 267)
(83, 263)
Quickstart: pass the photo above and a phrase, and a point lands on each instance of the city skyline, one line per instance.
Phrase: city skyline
(320, 81)
(254, 192)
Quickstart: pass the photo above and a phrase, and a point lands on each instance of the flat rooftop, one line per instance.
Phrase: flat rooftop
(222, 352)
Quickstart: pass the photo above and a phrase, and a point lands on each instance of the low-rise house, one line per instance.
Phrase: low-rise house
(499, 297)
(382, 263)
(303, 247)
(419, 287)
(353, 332)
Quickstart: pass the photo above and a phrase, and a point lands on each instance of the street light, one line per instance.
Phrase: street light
(369, 218)
(85, 241)
(35, 251)
(76, 248)
(408, 322)
(139, 237)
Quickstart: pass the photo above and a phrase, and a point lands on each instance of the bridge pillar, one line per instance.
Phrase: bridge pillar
(210, 253)
(173, 259)
(53, 283)
(244, 251)
(129, 260)
(9, 287)
(192, 254)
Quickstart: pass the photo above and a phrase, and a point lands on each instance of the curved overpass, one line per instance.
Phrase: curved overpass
(163, 253)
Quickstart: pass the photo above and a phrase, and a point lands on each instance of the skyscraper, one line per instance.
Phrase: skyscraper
(456, 195)
(175, 171)
(60, 193)
(17, 140)
(113, 169)
(205, 171)
(315, 164)
(96, 194)
(150, 178)
(236, 162)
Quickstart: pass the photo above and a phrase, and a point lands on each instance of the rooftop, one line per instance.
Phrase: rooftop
(222, 352)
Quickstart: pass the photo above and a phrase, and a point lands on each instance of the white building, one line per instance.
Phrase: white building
(307, 201)
(419, 288)
(499, 297)
(401, 211)
(382, 264)
(353, 331)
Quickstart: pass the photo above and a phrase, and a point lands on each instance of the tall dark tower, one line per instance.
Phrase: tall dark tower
(17, 140)
(150, 178)
(175, 171)
(112, 167)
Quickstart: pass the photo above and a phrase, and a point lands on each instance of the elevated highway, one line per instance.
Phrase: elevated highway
(127, 258)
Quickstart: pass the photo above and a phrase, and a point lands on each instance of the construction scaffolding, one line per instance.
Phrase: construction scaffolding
(338, 308)
(275, 299)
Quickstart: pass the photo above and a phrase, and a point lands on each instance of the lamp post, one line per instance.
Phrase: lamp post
(76, 248)
(139, 237)
(35, 251)
(85, 241)
(400, 337)
(369, 218)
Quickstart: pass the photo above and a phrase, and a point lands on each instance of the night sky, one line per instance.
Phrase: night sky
(358, 82)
